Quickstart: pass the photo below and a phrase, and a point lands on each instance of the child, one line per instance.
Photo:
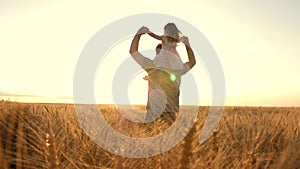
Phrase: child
(168, 57)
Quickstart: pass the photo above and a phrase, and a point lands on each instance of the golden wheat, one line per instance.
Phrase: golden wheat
(49, 136)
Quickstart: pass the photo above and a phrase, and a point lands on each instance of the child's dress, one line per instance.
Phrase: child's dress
(168, 56)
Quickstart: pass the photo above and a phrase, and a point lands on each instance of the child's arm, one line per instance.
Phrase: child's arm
(153, 35)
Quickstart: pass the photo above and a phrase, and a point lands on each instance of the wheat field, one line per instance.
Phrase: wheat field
(49, 136)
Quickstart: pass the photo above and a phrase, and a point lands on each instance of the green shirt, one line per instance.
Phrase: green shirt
(164, 79)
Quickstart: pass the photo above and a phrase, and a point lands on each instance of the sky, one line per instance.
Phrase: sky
(257, 42)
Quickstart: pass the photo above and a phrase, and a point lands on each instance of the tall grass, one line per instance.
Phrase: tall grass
(49, 136)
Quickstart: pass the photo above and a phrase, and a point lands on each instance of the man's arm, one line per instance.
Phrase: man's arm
(134, 47)
(192, 61)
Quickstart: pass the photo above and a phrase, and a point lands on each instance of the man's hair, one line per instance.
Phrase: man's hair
(158, 48)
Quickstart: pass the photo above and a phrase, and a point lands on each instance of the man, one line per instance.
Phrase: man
(162, 79)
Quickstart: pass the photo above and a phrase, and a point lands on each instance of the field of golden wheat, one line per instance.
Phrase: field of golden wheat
(49, 136)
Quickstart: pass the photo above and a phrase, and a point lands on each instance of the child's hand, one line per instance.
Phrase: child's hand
(185, 40)
(143, 30)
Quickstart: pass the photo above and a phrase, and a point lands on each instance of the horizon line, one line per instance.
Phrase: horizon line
(110, 104)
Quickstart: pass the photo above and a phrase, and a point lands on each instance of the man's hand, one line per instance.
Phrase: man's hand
(135, 42)
(143, 30)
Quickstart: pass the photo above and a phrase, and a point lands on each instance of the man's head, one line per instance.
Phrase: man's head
(158, 48)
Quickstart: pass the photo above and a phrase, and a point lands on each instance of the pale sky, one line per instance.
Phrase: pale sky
(257, 42)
